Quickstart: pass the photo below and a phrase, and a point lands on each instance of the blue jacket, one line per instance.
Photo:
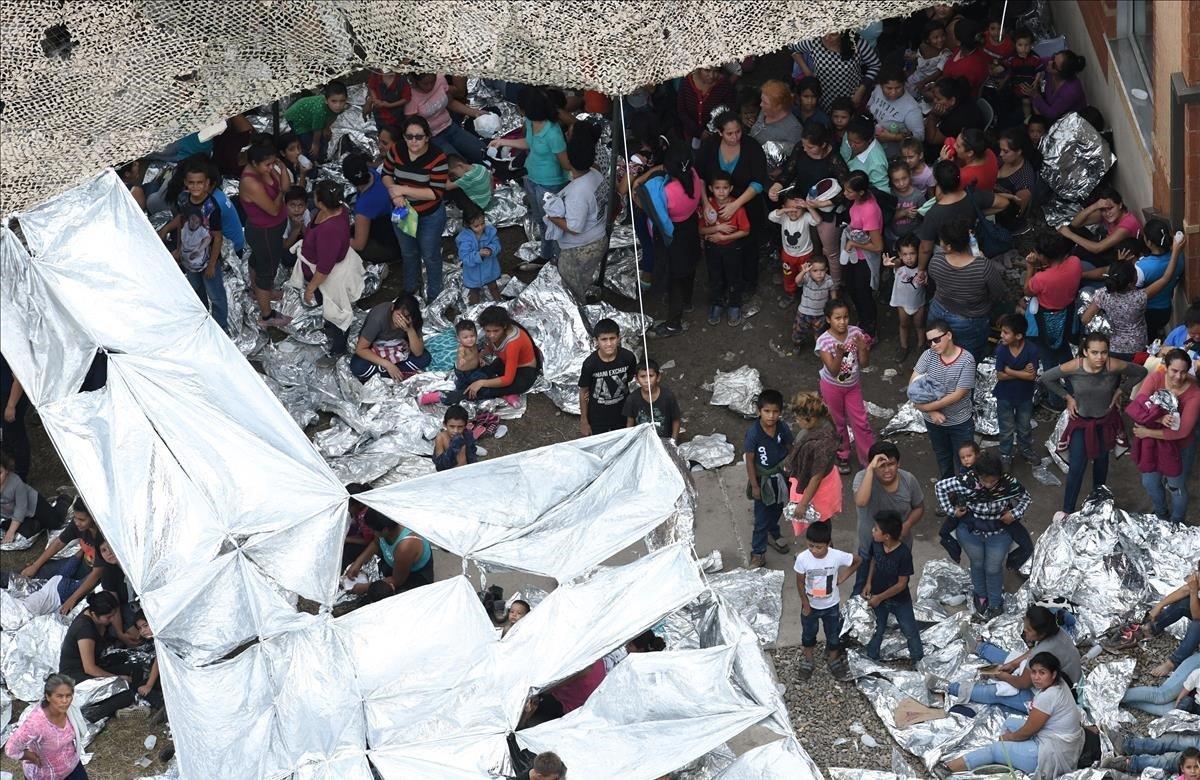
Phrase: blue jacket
(479, 271)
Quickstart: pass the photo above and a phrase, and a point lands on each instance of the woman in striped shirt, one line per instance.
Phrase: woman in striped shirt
(845, 68)
(415, 174)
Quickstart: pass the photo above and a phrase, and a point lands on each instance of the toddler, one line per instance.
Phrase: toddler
(470, 183)
(908, 199)
(966, 492)
(908, 295)
(816, 288)
(478, 249)
(723, 240)
(913, 153)
(1038, 126)
(796, 219)
(929, 58)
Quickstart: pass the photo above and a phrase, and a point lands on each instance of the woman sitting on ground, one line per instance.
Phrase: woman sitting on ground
(405, 559)
(510, 357)
(1179, 603)
(22, 507)
(390, 341)
(1045, 745)
(1120, 224)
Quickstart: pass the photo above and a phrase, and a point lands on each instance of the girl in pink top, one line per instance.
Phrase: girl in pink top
(864, 242)
(46, 743)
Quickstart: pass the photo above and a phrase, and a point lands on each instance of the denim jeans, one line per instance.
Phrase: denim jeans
(766, 525)
(1019, 755)
(830, 618)
(212, 292)
(1162, 753)
(456, 139)
(945, 440)
(986, 555)
(902, 608)
(1191, 640)
(1160, 488)
(970, 333)
(534, 193)
(1160, 699)
(985, 693)
(425, 247)
(1014, 421)
(1077, 461)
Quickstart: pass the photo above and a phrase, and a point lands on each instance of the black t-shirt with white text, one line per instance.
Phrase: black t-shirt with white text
(607, 384)
(666, 410)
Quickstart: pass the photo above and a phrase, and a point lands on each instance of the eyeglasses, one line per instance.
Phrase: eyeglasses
(937, 339)
(412, 137)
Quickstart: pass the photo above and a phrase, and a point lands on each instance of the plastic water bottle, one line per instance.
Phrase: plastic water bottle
(399, 214)
(975, 246)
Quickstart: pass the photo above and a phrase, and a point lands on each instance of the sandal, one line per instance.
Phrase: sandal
(839, 669)
(1125, 639)
(805, 670)
(780, 545)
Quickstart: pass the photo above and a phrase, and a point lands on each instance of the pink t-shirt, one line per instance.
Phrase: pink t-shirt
(680, 205)
(1127, 221)
(865, 215)
(432, 104)
(55, 745)
(1057, 286)
(573, 693)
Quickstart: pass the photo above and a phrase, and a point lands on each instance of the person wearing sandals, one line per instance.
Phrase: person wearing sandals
(816, 483)
(819, 571)
(767, 445)
(1179, 603)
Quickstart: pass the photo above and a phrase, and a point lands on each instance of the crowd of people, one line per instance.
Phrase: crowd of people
(890, 167)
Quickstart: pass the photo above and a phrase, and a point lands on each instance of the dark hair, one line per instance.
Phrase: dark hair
(357, 169)
(941, 325)
(102, 603)
(909, 240)
(7, 461)
(391, 130)
(1177, 354)
(353, 489)
(967, 32)
(819, 260)
(1023, 32)
(260, 152)
(1038, 119)
(535, 105)
(378, 522)
(78, 506)
(890, 73)
(1072, 65)
(915, 144)
(770, 398)
(890, 523)
(1192, 315)
(819, 533)
(419, 121)
(898, 165)
(649, 364)
(946, 176)
(862, 128)
(605, 326)
(719, 175)
(1095, 335)
(1043, 621)
(1187, 753)
(464, 324)
(378, 591)
(296, 193)
(859, 182)
(679, 164)
(581, 146)
(1050, 662)
(974, 140)
(648, 642)
(722, 119)
(52, 683)
(409, 302)
(456, 159)
(1053, 246)
(284, 140)
(472, 212)
(1157, 234)
(549, 764)
(955, 87)
(335, 88)
(1093, 117)
(1106, 191)
(1121, 277)
(1018, 138)
(833, 304)
(931, 26)
(455, 412)
(809, 84)
(494, 316)
(843, 103)
(956, 234)
(988, 464)
(970, 444)
(884, 447)
(1014, 322)
(201, 166)
(815, 133)
(328, 193)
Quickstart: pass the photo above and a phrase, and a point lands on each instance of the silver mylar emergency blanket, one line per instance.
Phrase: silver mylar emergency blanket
(1075, 157)
(224, 515)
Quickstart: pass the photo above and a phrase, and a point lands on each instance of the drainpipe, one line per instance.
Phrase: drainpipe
(1181, 95)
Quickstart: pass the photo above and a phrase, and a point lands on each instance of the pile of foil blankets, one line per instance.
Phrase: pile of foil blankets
(1075, 158)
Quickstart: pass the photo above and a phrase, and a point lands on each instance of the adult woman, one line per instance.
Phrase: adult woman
(511, 360)
(1161, 699)
(1183, 602)
(81, 649)
(405, 559)
(332, 273)
(1119, 224)
(969, 61)
(813, 461)
(743, 159)
(1017, 174)
(954, 110)
(1063, 92)
(1053, 274)
(390, 341)
(966, 287)
(703, 90)
(845, 68)
(816, 160)
(861, 248)
(977, 163)
(415, 174)
(897, 113)
(432, 101)
(46, 742)
(1049, 742)
(547, 168)
(775, 121)
(1125, 304)
(1164, 443)
(372, 235)
(263, 185)
(582, 242)
(672, 201)
(1096, 380)
(1044, 634)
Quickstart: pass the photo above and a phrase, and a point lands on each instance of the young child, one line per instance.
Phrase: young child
(292, 156)
(819, 571)
(766, 447)
(906, 218)
(996, 44)
(808, 102)
(840, 112)
(929, 57)
(653, 403)
(312, 116)
(516, 610)
(604, 381)
(1016, 376)
(886, 590)
(468, 368)
(1038, 126)
(299, 217)
(844, 349)
(478, 249)
(913, 152)
(816, 289)
(723, 240)
(908, 295)
(454, 445)
(473, 183)
(796, 220)
(1189, 764)
(1023, 65)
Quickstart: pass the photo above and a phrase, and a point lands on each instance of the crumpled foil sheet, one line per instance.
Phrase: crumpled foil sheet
(30, 653)
(737, 389)
(756, 595)
(1056, 435)
(984, 402)
(507, 208)
(783, 759)
(631, 323)
(776, 153)
(943, 589)
(907, 419)
(1076, 157)
(1174, 722)
(709, 452)
(1164, 399)
(1103, 688)
(1098, 324)
(481, 95)
(351, 127)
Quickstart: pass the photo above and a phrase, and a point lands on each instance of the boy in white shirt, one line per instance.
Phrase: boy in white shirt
(796, 219)
(819, 571)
